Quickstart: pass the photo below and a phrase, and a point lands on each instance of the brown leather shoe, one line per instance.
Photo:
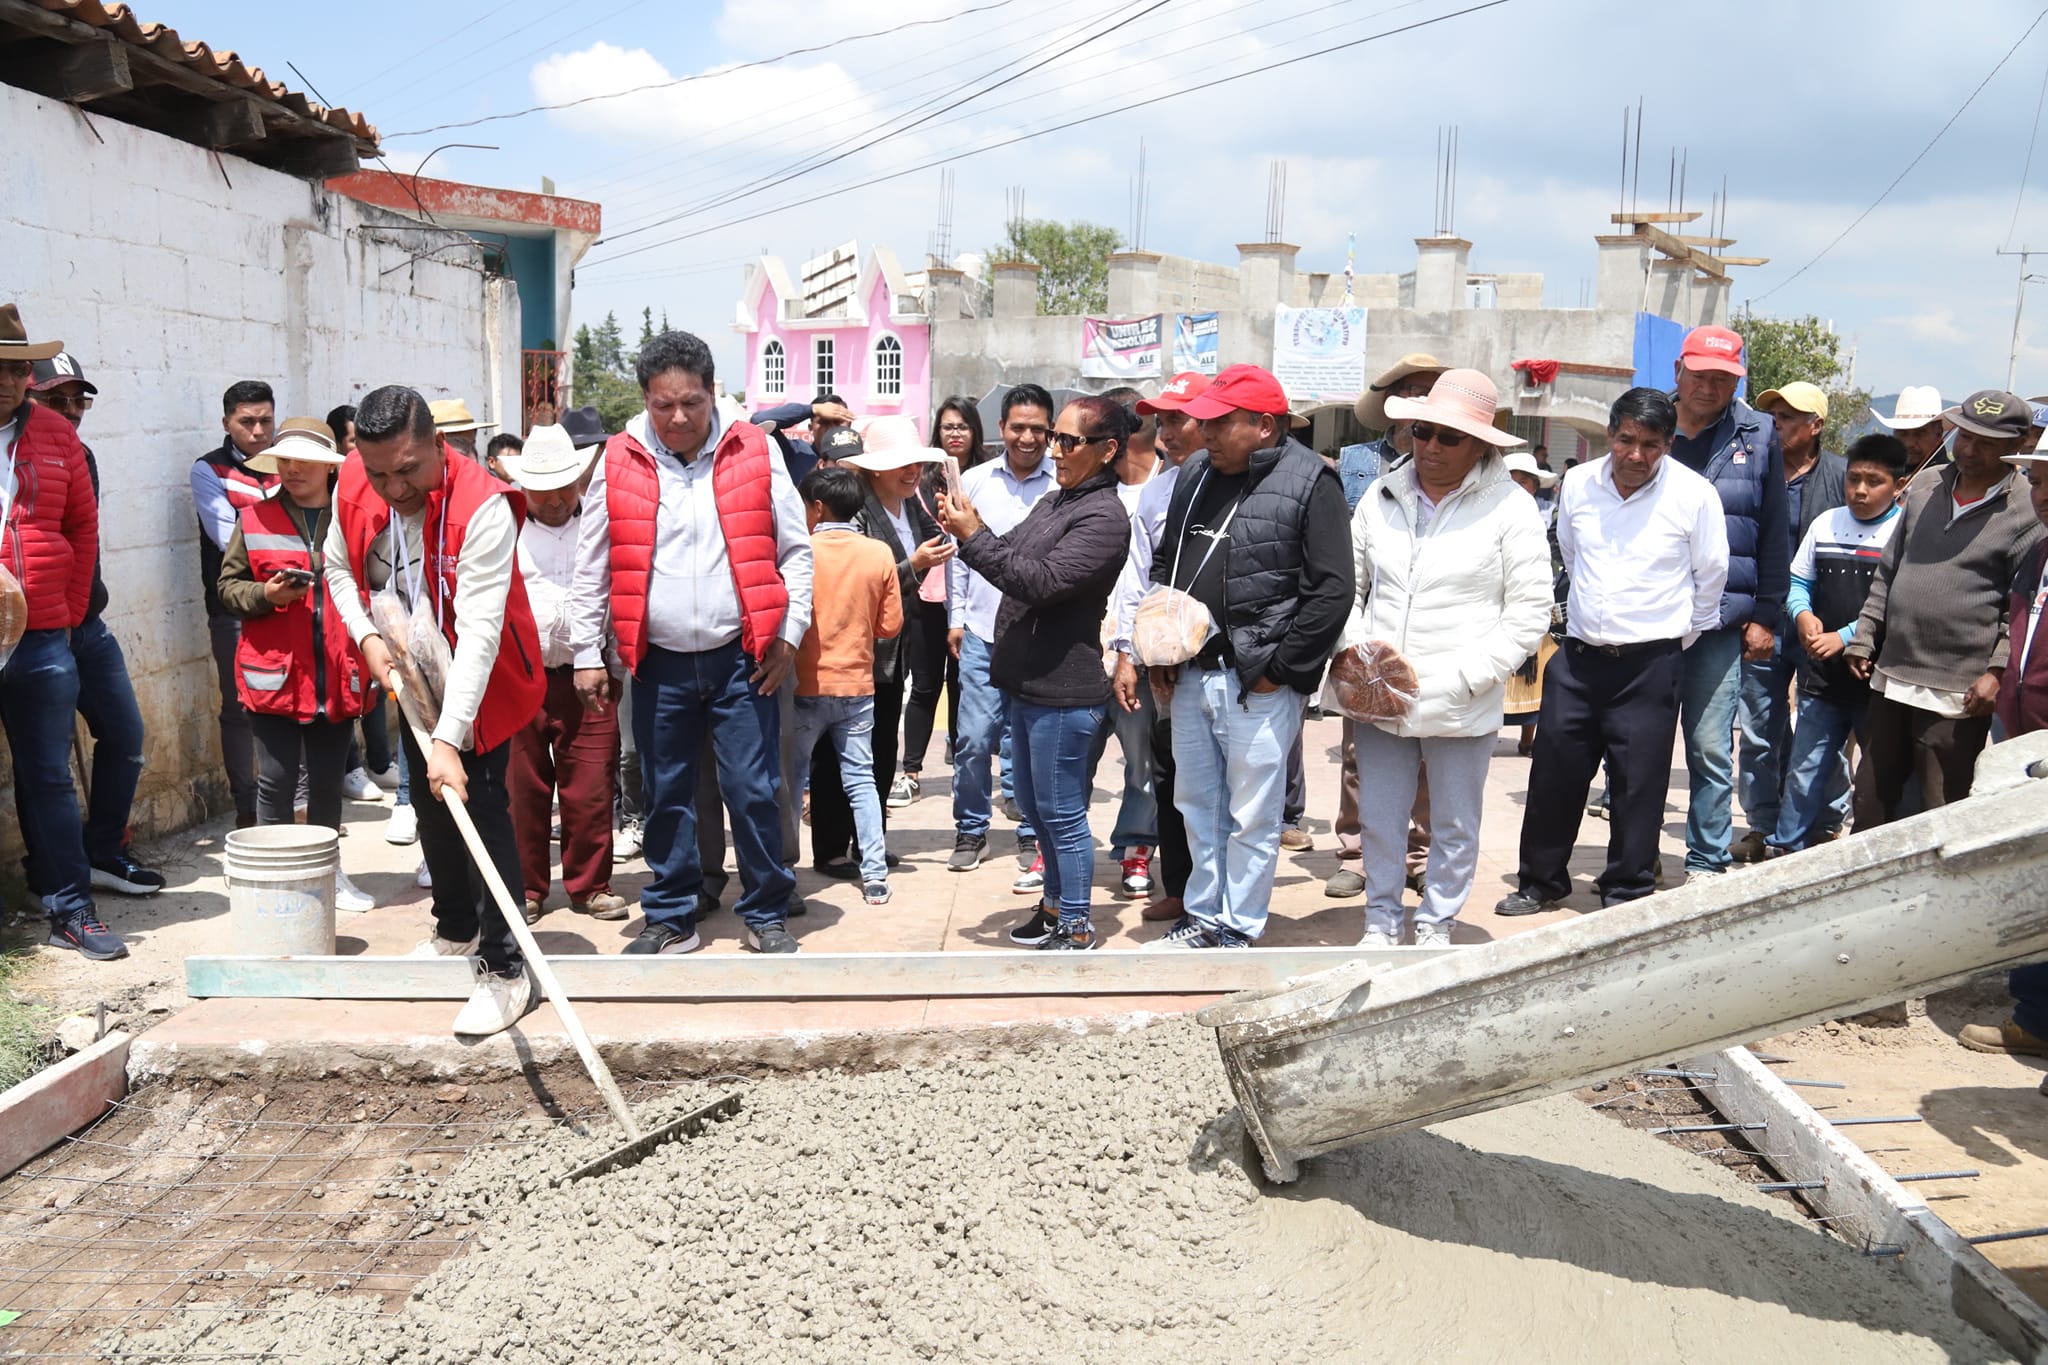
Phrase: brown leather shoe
(602, 905)
(2007, 1037)
(531, 910)
(1171, 908)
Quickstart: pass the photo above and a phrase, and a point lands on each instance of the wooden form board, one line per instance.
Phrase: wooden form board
(54, 1103)
(805, 976)
(1869, 1207)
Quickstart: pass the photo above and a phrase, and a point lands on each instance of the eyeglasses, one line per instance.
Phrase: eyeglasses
(1442, 437)
(65, 402)
(1068, 443)
(958, 428)
(17, 369)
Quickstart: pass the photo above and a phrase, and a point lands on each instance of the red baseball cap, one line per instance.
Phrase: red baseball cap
(1179, 390)
(1240, 388)
(1712, 348)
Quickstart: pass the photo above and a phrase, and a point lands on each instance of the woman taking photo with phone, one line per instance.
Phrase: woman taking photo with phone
(298, 673)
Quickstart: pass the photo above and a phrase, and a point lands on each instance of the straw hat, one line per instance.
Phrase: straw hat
(299, 438)
(1463, 400)
(1522, 462)
(1371, 405)
(452, 415)
(891, 443)
(549, 460)
(14, 342)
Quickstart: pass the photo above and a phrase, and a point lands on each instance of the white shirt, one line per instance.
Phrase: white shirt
(547, 559)
(483, 581)
(1650, 566)
(1148, 523)
(1003, 500)
(693, 604)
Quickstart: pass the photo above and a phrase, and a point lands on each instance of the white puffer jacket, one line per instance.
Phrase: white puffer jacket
(1466, 601)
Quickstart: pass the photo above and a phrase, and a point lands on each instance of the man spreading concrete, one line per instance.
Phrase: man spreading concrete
(222, 485)
(1814, 480)
(414, 518)
(1735, 448)
(695, 546)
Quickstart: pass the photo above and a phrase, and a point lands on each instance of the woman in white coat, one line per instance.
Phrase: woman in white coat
(1453, 572)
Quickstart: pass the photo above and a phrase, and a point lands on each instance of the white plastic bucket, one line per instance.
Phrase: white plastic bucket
(281, 889)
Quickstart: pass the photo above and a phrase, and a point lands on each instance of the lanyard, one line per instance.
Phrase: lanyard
(1215, 536)
(411, 577)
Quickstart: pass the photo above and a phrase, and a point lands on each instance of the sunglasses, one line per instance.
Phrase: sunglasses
(1442, 437)
(1068, 443)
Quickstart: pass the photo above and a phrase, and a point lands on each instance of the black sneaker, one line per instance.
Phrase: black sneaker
(83, 934)
(844, 870)
(769, 938)
(1013, 812)
(796, 904)
(967, 851)
(1027, 851)
(1033, 932)
(1080, 938)
(123, 874)
(666, 938)
(1522, 903)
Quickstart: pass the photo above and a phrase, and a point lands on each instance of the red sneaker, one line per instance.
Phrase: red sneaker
(1138, 873)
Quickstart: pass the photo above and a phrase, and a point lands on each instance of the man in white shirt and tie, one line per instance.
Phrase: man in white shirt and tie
(1645, 546)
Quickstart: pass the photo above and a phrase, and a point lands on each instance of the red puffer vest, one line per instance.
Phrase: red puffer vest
(53, 524)
(279, 669)
(741, 483)
(517, 685)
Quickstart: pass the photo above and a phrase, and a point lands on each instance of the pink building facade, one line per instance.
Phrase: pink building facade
(871, 344)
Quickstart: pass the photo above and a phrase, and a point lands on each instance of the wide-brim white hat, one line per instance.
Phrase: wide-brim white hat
(1463, 400)
(549, 460)
(1917, 405)
(891, 443)
(1522, 462)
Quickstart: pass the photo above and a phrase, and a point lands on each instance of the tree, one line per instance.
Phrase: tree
(646, 331)
(1781, 350)
(1072, 260)
(600, 377)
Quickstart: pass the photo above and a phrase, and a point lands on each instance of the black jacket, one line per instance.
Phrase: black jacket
(1289, 577)
(1056, 569)
(873, 521)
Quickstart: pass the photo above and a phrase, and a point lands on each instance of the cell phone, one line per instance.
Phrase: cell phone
(302, 577)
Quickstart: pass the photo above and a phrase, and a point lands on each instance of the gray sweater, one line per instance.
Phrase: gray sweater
(1936, 614)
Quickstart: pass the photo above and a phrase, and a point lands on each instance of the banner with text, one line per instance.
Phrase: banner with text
(1319, 354)
(1121, 348)
(1194, 342)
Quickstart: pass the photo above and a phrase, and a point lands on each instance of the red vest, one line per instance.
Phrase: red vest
(52, 533)
(244, 488)
(741, 483)
(517, 683)
(283, 650)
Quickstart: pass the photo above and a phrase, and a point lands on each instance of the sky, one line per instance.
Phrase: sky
(1808, 110)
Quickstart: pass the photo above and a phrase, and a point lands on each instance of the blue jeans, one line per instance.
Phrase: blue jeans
(1230, 780)
(1709, 684)
(1050, 746)
(677, 699)
(38, 696)
(106, 699)
(1765, 745)
(1814, 764)
(850, 721)
(1137, 815)
(982, 732)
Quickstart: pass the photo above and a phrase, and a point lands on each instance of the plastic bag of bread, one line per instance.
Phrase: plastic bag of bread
(13, 614)
(1170, 627)
(419, 651)
(1370, 681)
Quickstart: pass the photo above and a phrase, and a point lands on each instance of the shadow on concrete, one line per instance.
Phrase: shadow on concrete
(1991, 1121)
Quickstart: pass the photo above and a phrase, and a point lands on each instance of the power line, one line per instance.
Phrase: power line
(1858, 220)
(1053, 128)
(605, 18)
(2028, 167)
(438, 50)
(707, 75)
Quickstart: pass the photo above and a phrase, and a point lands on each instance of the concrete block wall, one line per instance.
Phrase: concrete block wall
(170, 275)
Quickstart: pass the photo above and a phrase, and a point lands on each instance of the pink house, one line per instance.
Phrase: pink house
(857, 331)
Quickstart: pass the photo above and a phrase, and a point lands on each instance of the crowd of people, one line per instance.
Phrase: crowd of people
(641, 641)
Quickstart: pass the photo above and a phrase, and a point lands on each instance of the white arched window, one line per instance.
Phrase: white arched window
(888, 382)
(774, 368)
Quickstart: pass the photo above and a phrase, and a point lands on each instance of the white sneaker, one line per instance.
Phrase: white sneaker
(423, 878)
(357, 786)
(403, 827)
(496, 1004)
(347, 896)
(1379, 938)
(626, 840)
(437, 946)
(388, 779)
(1432, 936)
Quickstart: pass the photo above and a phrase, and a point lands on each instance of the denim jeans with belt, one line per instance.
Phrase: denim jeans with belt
(106, 698)
(38, 696)
(1230, 758)
(1049, 745)
(1709, 684)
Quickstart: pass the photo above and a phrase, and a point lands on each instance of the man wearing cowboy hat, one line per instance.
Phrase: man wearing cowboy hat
(49, 542)
(1917, 420)
(567, 751)
(1933, 637)
(452, 419)
(106, 695)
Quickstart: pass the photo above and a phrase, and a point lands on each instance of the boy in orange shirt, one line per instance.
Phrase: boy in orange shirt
(854, 602)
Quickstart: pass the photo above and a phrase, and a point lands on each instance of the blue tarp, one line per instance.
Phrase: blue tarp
(1657, 345)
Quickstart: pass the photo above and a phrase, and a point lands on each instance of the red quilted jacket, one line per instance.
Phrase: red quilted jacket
(52, 535)
(740, 481)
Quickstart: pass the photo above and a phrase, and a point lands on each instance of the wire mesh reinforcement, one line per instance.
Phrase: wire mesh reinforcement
(214, 1200)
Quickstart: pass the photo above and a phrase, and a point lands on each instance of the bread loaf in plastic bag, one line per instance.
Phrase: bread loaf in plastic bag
(13, 614)
(1370, 681)
(1170, 627)
(419, 651)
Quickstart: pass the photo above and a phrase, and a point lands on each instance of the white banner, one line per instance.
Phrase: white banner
(1319, 354)
(1121, 348)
